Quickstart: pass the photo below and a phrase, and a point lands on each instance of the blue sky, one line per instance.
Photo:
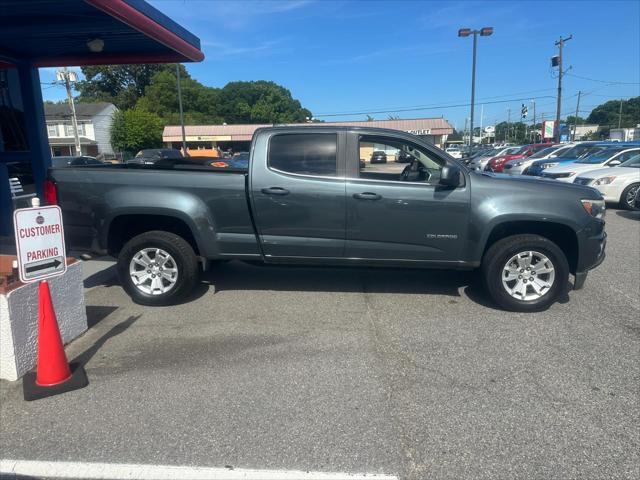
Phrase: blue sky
(363, 56)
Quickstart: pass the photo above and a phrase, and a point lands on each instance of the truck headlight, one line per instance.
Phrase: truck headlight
(604, 181)
(595, 208)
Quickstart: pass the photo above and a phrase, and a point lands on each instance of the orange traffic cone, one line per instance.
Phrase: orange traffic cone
(53, 367)
(54, 375)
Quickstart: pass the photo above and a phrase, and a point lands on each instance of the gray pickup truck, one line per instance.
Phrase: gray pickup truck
(310, 196)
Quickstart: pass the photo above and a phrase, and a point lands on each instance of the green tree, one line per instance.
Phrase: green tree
(259, 102)
(571, 120)
(135, 129)
(609, 113)
(199, 102)
(514, 132)
(121, 85)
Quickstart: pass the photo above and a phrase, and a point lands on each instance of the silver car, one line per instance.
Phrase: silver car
(518, 166)
(479, 163)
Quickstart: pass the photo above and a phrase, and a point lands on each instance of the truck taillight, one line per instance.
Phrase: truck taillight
(50, 193)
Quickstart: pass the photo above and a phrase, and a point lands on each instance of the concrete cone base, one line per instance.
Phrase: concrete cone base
(33, 391)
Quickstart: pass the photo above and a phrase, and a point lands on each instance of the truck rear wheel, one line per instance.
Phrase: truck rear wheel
(157, 268)
(525, 273)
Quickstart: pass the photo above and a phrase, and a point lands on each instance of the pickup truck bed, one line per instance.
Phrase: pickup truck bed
(212, 205)
(309, 197)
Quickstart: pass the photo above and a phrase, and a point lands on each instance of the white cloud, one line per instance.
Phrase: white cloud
(221, 49)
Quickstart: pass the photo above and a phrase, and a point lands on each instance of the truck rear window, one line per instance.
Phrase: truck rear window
(304, 153)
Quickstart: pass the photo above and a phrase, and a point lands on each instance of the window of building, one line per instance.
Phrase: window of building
(68, 129)
(397, 160)
(305, 154)
(52, 130)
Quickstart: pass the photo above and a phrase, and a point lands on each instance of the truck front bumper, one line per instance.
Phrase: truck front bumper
(592, 243)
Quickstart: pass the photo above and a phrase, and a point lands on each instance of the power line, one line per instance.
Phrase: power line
(480, 101)
(602, 81)
(438, 107)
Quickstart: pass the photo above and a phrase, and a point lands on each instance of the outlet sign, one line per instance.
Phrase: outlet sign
(39, 243)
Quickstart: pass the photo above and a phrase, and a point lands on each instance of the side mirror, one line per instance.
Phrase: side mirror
(614, 163)
(450, 176)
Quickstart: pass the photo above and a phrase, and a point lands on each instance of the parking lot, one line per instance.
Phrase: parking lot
(409, 373)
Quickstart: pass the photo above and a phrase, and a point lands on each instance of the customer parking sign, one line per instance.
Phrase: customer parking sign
(39, 243)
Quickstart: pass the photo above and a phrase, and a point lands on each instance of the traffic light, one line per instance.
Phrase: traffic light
(524, 110)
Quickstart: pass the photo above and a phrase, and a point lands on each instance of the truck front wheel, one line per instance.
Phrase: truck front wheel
(525, 273)
(157, 268)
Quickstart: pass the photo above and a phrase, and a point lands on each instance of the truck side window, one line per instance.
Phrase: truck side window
(396, 160)
(305, 153)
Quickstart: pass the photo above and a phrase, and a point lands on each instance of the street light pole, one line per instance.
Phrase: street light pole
(465, 32)
(473, 86)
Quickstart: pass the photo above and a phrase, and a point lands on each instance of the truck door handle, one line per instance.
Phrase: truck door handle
(367, 196)
(275, 191)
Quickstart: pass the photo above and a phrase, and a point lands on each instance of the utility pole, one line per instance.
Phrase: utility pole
(508, 135)
(184, 137)
(67, 77)
(535, 136)
(575, 120)
(481, 119)
(560, 44)
(620, 115)
(465, 129)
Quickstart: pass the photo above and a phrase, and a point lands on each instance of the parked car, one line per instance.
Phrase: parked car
(525, 235)
(404, 157)
(150, 156)
(479, 163)
(616, 184)
(569, 156)
(378, 156)
(455, 152)
(74, 161)
(497, 164)
(518, 166)
(608, 157)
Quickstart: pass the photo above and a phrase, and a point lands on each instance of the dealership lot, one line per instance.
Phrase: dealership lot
(410, 373)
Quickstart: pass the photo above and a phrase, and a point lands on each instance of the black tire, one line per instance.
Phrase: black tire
(181, 253)
(627, 199)
(502, 251)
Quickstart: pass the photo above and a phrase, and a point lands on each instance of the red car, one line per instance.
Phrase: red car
(496, 164)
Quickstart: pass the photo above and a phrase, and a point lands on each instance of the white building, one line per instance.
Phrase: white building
(625, 134)
(94, 128)
(582, 131)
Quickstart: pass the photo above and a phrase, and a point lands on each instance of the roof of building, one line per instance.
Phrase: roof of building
(419, 126)
(62, 111)
(50, 33)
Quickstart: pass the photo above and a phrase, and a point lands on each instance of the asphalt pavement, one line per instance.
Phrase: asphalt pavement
(412, 373)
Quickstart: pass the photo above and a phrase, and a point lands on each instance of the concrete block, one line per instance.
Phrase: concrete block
(19, 320)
